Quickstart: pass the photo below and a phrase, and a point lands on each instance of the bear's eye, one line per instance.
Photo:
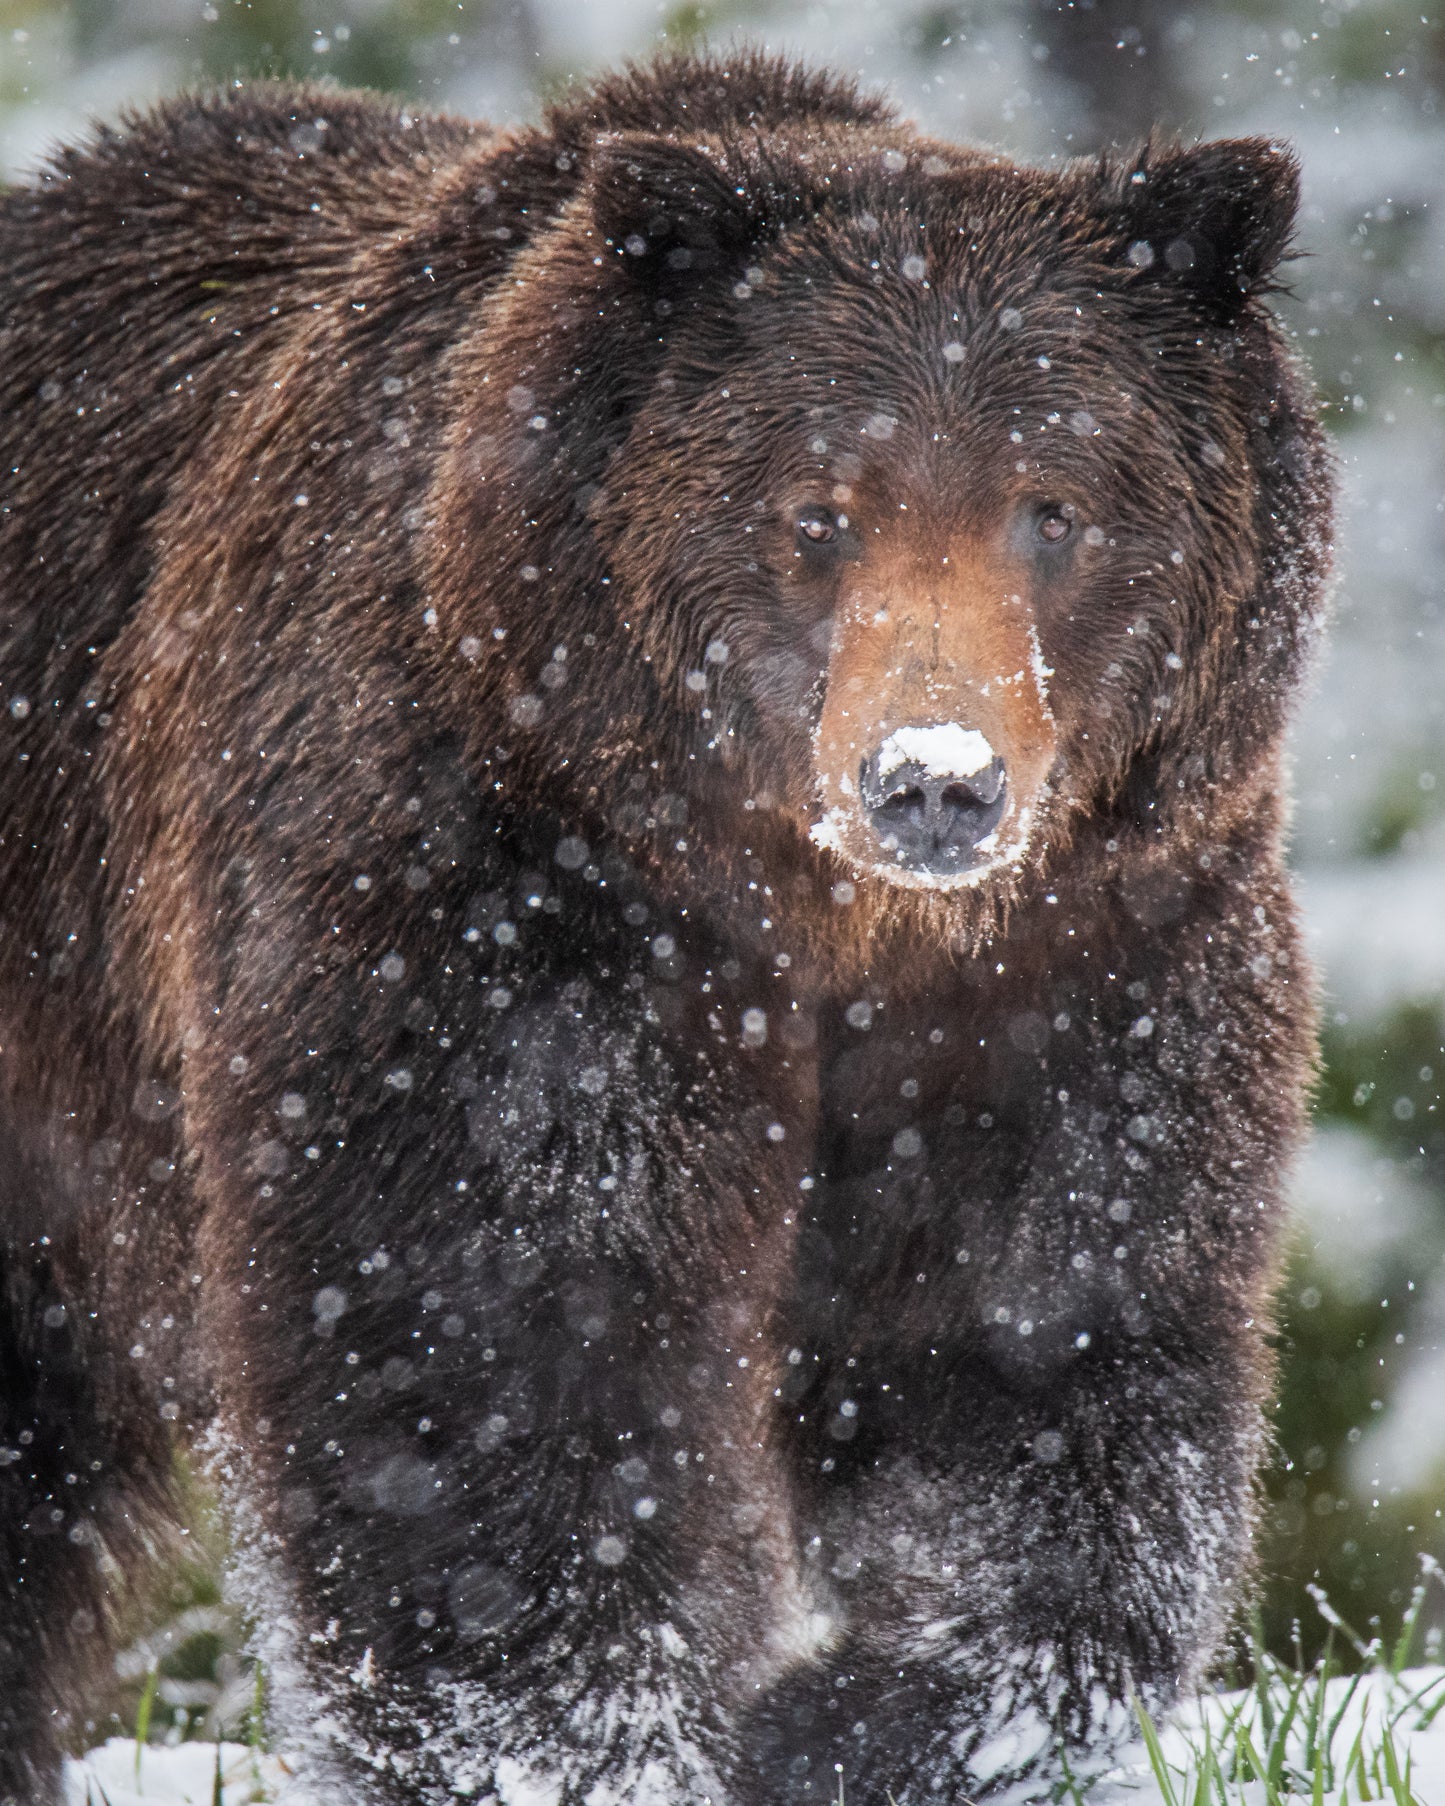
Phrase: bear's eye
(818, 529)
(1054, 526)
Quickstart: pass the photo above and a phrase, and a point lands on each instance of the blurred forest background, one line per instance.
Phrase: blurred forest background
(1357, 1486)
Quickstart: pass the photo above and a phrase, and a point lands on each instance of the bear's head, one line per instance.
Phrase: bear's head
(931, 505)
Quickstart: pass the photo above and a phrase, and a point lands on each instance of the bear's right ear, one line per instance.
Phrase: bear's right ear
(1211, 221)
(669, 211)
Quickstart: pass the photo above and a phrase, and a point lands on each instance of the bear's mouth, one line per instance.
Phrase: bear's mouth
(840, 832)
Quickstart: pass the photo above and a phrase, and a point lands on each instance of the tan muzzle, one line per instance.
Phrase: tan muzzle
(935, 741)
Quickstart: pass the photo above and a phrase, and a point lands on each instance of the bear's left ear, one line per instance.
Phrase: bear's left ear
(1212, 221)
(670, 212)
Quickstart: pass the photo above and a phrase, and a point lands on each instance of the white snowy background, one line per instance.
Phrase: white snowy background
(1359, 87)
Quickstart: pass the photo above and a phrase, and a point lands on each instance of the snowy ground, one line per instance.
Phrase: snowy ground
(1412, 1708)
(1353, 1719)
(111, 1776)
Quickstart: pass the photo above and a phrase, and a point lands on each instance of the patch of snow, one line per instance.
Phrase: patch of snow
(185, 1776)
(828, 833)
(304, 1716)
(1042, 672)
(945, 750)
(1020, 1743)
(518, 1785)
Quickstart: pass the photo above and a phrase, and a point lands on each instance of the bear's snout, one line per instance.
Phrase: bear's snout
(934, 796)
(935, 739)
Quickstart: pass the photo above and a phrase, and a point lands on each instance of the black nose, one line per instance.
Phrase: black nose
(929, 821)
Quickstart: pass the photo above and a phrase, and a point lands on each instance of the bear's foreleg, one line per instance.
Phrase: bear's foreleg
(84, 1482)
(491, 1310)
(1027, 1414)
(1010, 1563)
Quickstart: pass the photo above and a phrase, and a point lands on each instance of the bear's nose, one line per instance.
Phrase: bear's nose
(932, 795)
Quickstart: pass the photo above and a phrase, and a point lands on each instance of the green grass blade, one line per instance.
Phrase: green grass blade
(1260, 1767)
(1339, 1716)
(1283, 1740)
(1357, 1763)
(1277, 1750)
(1156, 1754)
(1428, 1716)
(1263, 1691)
(1399, 1784)
(256, 1729)
(1314, 1759)
(1228, 1737)
(1208, 1774)
(1367, 1652)
(1071, 1785)
(143, 1713)
(1405, 1641)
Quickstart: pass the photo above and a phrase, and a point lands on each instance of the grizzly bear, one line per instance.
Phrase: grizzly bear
(647, 980)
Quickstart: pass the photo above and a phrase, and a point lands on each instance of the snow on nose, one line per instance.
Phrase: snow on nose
(944, 750)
